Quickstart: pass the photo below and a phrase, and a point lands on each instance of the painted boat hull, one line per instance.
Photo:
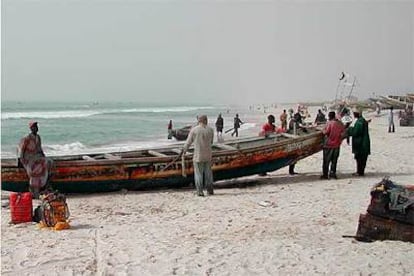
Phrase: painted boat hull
(233, 159)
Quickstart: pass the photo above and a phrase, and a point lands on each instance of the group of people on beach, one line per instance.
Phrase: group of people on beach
(37, 165)
(220, 124)
(335, 131)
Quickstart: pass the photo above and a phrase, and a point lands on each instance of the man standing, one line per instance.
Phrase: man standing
(296, 124)
(283, 120)
(320, 118)
(361, 144)
(219, 127)
(269, 127)
(170, 130)
(237, 123)
(333, 131)
(33, 159)
(202, 135)
(391, 127)
(293, 128)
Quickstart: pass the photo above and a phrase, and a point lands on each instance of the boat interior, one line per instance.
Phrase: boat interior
(172, 151)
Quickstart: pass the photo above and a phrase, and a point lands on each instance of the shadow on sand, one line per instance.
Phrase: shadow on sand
(253, 181)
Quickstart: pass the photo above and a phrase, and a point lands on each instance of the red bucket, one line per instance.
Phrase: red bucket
(21, 207)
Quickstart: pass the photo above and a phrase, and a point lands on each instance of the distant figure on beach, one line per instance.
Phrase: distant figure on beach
(219, 127)
(298, 117)
(409, 110)
(334, 132)
(391, 126)
(269, 127)
(293, 125)
(34, 161)
(361, 144)
(236, 126)
(378, 108)
(202, 136)
(290, 113)
(320, 118)
(170, 126)
(283, 120)
(266, 130)
(296, 123)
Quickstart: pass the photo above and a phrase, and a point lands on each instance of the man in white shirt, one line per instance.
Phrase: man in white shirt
(202, 136)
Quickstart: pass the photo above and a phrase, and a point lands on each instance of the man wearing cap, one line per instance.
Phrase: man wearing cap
(361, 144)
(202, 136)
(33, 159)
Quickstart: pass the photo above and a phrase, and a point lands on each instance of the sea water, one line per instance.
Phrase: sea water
(92, 127)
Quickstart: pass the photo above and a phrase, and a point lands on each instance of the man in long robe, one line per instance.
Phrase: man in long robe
(33, 159)
(361, 143)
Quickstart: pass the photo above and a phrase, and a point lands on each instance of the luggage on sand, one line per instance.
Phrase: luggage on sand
(21, 207)
(390, 214)
(392, 201)
(53, 211)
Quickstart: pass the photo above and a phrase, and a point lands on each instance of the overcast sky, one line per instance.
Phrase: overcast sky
(203, 51)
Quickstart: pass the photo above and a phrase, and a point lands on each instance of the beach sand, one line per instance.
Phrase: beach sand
(272, 225)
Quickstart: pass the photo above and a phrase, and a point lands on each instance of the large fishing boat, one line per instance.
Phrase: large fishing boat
(398, 102)
(163, 167)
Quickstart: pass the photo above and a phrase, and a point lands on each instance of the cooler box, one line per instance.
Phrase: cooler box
(21, 207)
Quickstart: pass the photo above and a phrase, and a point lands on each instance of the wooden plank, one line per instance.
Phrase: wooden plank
(288, 135)
(372, 228)
(156, 153)
(88, 158)
(111, 157)
(224, 147)
(177, 151)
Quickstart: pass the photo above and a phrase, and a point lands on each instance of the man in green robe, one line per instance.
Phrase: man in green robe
(361, 144)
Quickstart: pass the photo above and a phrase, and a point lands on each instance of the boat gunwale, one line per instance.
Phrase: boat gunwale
(145, 160)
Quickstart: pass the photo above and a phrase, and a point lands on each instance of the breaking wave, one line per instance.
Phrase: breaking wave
(76, 148)
(87, 113)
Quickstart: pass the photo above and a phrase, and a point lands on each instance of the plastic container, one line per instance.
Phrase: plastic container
(21, 207)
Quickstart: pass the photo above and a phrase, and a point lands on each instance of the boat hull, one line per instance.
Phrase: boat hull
(134, 174)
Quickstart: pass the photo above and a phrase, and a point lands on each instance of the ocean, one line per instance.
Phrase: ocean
(92, 127)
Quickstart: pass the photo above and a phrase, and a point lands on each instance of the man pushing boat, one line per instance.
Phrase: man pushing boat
(202, 136)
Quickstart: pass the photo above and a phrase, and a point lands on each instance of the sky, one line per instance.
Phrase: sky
(226, 52)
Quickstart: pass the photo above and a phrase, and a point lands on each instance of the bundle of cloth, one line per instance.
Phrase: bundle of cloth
(392, 201)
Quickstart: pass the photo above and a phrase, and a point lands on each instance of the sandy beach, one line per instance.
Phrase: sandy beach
(272, 225)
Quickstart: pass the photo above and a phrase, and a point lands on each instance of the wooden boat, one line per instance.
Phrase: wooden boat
(410, 97)
(398, 102)
(181, 134)
(407, 117)
(160, 167)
